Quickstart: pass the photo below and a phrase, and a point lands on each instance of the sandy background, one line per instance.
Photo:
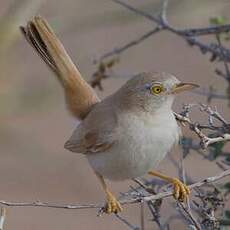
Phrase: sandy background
(34, 123)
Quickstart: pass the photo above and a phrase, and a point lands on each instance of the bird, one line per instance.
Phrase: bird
(127, 134)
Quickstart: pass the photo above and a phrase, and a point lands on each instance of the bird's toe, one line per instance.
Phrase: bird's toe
(181, 191)
(112, 205)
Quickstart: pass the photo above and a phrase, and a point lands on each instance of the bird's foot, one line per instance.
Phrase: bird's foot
(181, 190)
(112, 205)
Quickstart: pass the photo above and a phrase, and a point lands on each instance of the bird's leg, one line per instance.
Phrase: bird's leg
(181, 191)
(112, 204)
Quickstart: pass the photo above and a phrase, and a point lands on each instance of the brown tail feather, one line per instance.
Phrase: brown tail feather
(33, 38)
(80, 96)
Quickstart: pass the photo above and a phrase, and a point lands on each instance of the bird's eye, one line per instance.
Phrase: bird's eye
(156, 89)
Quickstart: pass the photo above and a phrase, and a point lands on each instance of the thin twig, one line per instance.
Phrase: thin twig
(119, 50)
(163, 13)
(49, 205)
(213, 113)
(195, 185)
(139, 182)
(189, 215)
(155, 214)
(124, 202)
(205, 140)
(127, 223)
(142, 215)
(2, 217)
(207, 31)
(186, 207)
(214, 49)
(225, 63)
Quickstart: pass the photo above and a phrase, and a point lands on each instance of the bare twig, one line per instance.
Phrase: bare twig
(124, 202)
(187, 212)
(214, 114)
(225, 63)
(128, 45)
(163, 13)
(190, 35)
(2, 218)
(196, 128)
(195, 185)
(153, 207)
(49, 205)
(207, 31)
(127, 223)
(142, 215)
(189, 215)
(214, 49)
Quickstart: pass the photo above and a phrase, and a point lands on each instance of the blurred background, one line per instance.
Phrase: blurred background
(34, 123)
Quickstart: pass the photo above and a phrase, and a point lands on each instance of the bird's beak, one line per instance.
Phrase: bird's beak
(183, 87)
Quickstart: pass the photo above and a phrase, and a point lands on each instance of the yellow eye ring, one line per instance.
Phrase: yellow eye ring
(156, 89)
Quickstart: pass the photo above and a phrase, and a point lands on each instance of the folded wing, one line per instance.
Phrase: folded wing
(97, 133)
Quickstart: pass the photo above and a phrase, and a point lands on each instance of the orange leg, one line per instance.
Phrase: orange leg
(181, 191)
(112, 204)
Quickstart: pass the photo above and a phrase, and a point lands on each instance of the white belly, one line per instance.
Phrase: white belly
(142, 144)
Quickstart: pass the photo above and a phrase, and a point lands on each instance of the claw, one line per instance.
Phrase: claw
(181, 191)
(112, 205)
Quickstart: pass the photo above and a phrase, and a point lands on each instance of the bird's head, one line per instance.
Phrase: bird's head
(152, 91)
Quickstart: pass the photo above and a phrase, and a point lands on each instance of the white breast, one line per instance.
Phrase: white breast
(142, 143)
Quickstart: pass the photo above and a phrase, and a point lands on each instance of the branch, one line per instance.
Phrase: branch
(190, 216)
(188, 35)
(207, 31)
(128, 45)
(191, 187)
(183, 117)
(163, 16)
(215, 49)
(225, 63)
(129, 225)
(2, 217)
(125, 202)
(185, 209)
(209, 141)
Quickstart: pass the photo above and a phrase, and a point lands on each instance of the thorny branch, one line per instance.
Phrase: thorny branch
(189, 215)
(2, 217)
(222, 133)
(187, 34)
(185, 209)
(147, 198)
(207, 31)
(217, 50)
(129, 225)
(210, 202)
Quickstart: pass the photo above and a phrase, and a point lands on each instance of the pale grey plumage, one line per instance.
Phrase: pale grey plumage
(131, 131)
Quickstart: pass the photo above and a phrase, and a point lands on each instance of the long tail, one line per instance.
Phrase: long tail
(80, 97)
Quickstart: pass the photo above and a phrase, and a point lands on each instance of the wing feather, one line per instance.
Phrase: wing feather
(96, 133)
